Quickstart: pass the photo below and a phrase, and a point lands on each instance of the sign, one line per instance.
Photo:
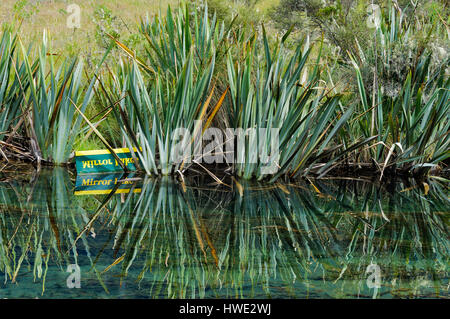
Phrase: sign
(98, 184)
(101, 161)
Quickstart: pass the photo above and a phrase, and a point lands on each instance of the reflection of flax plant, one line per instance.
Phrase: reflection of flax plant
(274, 239)
(160, 227)
(403, 232)
(36, 226)
(271, 240)
(251, 244)
(181, 241)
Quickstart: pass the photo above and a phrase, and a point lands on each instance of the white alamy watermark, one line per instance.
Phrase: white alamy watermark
(374, 18)
(374, 279)
(231, 145)
(74, 19)
(74, 279)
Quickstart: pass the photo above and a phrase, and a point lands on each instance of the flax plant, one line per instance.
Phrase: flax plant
(170, 39)
(411, 125)
(54, 121)
(13, 79)
(174, 92)
(401, 229)
(275, 90)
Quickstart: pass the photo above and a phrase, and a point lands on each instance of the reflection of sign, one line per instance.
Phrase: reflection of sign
(100, 161)
(94, 184)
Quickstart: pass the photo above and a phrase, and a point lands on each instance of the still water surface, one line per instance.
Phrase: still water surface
(163, 239)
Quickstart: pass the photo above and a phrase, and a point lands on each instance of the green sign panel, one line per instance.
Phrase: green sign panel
(102, 161)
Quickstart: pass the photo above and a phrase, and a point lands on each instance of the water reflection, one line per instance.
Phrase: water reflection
(315, 239)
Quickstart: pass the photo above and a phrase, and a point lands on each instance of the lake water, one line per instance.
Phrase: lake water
(156, 238)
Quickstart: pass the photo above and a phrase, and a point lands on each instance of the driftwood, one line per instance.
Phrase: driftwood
(17, 148)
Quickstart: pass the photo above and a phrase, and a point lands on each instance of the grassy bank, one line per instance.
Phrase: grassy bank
(195, 68)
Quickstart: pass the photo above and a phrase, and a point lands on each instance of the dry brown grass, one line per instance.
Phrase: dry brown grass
(49, 15)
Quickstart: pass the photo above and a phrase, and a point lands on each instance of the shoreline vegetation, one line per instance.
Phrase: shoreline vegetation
(379, 106)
